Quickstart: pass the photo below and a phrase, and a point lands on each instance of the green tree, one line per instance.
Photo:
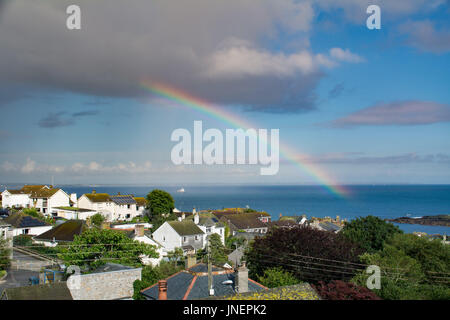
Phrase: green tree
(151, 275)
(4, 254)
(175, 256)
(218, 254)
(277, 277)
(369, 232)
(160, 207)
(94, 247)
(411, 268)
(97, 219)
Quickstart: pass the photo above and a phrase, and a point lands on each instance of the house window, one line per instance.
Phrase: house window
(164, 238)
(137, 208)
(208, 230)
(184, 239)
(220, 231)
(128, 206)
(128, 216)
(25, 231)
(196, 237)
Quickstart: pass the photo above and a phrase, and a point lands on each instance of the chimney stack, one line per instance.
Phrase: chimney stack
(139, 230)
(118, 193)
(162, 285)
(241, 279)
(191, 260)
(280, 215)
(183, 216)
(93, 191)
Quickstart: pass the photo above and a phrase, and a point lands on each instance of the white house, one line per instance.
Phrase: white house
(180, 234)
(43, 198)
(25, 224)
(46, 200)
(209, 224)
(141, 236)
(15, 198)
(126, 207)
(98, 202)
(117, 207)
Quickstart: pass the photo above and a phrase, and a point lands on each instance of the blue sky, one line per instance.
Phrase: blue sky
(366, 106)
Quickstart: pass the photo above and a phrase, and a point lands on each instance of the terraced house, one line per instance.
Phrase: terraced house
(116, 207)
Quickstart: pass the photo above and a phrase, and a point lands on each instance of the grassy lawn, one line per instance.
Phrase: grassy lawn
(2, 273)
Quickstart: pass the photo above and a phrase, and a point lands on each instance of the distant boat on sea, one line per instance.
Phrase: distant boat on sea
(180, 190)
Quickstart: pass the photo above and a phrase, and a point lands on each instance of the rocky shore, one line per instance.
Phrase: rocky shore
(438, 220)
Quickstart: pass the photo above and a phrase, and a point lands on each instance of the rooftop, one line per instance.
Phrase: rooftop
(192, 284)
(64, 232)
(98, 197)
(122, 199)
(244, 220)
(22, 220)
(185, 227)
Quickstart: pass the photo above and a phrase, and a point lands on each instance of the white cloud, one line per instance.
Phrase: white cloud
(345, 55)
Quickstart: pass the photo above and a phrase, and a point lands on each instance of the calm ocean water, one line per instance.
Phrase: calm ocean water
(383, 201)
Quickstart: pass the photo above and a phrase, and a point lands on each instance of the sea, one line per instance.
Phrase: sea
(384, 201)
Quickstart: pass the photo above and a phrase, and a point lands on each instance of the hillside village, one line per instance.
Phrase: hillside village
(204, 250)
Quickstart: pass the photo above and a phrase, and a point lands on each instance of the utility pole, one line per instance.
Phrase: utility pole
(210, 278)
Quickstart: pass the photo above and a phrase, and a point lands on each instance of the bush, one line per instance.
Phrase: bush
(22, 240)
(340, 290)
(277, 277)
(369, 232)
(412, 268)
(4, 255)
(309, 254)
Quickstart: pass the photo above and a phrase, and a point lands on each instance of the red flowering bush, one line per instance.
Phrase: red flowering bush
(340, 290)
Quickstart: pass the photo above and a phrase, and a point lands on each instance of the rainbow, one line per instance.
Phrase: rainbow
(195, 103)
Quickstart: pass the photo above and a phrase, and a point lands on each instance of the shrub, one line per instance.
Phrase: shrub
(369, 232)
(277, 277)
(340, 290)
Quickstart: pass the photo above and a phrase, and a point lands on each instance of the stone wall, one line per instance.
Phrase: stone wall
(104, 286)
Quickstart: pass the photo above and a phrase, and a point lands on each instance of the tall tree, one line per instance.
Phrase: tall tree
(160, 205)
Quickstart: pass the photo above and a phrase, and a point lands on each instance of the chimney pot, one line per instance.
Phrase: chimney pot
(93, 191)
(162, 284)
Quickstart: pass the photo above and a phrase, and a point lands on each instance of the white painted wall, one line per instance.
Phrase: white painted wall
(34, 231)
(167, 237)
(220, 231)
(14, 200)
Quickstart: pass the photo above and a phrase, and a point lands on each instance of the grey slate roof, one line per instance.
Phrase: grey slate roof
(22, 220)
(179, 283)
(328, 226)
